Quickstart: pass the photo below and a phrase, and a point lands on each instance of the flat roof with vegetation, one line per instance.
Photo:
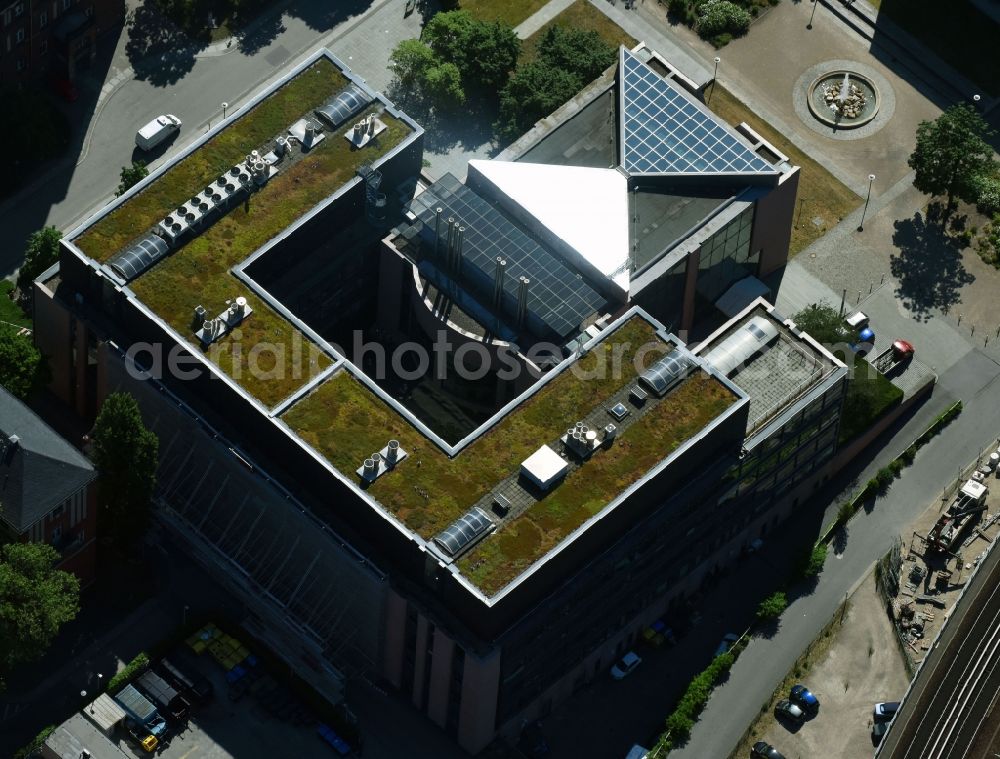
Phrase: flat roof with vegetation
(344, 422)
(198, 273)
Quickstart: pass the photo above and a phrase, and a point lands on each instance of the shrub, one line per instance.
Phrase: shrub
(721, 16)
(909, 454)
(987, 191)
(815, 561)
(772, 606)
(677, 8)
(845, 512)
(129, 671)
(29, 750)
(896, 467)
(690, 705)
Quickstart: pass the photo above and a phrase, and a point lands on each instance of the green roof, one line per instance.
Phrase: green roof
(344, 422)
(198, 273)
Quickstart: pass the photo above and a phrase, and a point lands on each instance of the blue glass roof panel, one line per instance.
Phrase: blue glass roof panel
(663, 132)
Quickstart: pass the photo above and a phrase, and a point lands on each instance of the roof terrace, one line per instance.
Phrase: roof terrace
(343, 422)
(198, 272)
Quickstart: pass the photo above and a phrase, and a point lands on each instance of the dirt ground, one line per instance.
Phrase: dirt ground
(920, 573)
(854, 664)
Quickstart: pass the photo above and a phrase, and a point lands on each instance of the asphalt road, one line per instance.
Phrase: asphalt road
(975, 379)
(944, 716)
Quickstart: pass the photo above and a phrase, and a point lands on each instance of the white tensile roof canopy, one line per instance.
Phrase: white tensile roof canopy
(586, 208)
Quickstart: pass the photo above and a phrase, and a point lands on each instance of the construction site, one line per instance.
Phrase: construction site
(922, 577)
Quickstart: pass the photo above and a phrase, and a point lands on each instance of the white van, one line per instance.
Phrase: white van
(156, 131)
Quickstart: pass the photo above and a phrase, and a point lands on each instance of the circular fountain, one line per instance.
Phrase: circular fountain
(843, 99)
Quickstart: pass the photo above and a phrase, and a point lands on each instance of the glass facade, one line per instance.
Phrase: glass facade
(664, 297)
(725, 257)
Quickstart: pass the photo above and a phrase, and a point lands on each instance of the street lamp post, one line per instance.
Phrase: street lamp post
(811, 15)
(225, 105)
(861, 226)
(715, 76)
(975, 101)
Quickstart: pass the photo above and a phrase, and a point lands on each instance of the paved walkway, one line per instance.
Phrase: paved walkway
(541, 17)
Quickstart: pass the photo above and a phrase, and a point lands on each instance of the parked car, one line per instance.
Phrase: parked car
(902, 350)
(625, 666)
(885, 710)
(156, 131)
(785, 709)
(727, 642)
(802, 696)
(879, 729)
(762, 750)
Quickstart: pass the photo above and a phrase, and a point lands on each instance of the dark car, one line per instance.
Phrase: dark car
(802, 696)
(785, 709)
(879, 729)
(762, 750)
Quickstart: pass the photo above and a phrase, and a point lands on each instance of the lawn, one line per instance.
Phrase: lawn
(511, 12)
(345, 423)
(580, 15)
(821, 196)
(957, 31)
(10, 312)
(869, 396)
(198, 273)
(189, 176)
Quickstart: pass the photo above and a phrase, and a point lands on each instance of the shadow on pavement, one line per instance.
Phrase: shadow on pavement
(928, 267)
(27, 210)
(158, 51)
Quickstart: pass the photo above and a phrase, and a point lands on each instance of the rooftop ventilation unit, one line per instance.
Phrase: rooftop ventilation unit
(667, 372)
(464, 531)
(139, 257)
(343, 105)
(379, 463)
(733, 352)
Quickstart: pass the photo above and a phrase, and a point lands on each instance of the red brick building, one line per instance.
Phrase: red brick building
(52, 37)
(47, 489)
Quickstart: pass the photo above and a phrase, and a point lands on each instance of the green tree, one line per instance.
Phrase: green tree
(951, 154)
(35, 601)
(443, 85)
(814, 561)
(40, 252)
(131, 176)
(410, 61)
(823, 323)
(126, 456)
(772, 606)
(535, 90)
(485, 52)
(22, 367)
(579, 51)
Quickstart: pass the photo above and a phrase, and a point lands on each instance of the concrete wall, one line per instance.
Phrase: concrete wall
(772, 225)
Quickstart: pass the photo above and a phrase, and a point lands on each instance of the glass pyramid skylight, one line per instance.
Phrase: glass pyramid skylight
(664, 131)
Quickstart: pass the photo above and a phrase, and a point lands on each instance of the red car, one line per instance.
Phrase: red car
(66, 89)
(902, 350)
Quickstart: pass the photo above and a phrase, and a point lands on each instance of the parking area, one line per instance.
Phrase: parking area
(251, 711)
(855, 663)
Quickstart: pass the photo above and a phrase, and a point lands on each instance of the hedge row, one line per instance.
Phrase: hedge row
(884, 477)
(26, 751)
(129, 671)
(681, 720)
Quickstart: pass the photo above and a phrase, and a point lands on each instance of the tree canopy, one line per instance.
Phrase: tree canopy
(126, 456)
(485, 52)
(824, 324)
(131, 176)
(952, 153)
(40, 252)
(567, 60)
(35, 601)
(421, 72)
(22, 367)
